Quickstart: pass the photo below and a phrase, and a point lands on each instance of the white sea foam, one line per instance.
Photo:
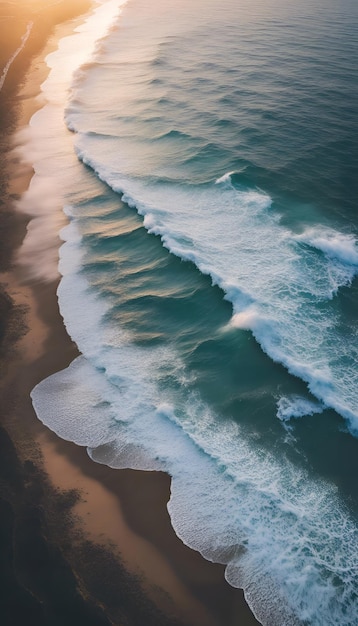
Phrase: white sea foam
(293, 407)
(246, 319)
(226, 178)
(339, 246)
(229, 500)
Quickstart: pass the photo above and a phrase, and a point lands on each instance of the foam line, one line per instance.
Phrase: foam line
(24, 39)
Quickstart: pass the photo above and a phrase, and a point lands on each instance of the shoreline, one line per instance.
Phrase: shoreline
(165, 582)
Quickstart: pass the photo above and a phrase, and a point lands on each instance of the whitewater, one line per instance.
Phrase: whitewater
(210, 320)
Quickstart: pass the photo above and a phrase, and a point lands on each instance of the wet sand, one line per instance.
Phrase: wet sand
(82, 543)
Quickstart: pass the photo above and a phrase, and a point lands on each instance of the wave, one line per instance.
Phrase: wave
(279, 289)
(286, 538)
(115, 399)
(245, 503)
(226, 178)
(238, 179)
(293, 407)
(253, 510)
(282, 285)
(338, 246)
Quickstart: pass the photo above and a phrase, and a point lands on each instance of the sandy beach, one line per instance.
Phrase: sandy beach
(83, 544)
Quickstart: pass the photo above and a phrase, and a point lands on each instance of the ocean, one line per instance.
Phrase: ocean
(207, 179)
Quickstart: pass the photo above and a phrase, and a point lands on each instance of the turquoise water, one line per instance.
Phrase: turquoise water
(210, 281)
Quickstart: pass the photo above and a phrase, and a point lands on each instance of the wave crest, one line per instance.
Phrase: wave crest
(335, 245)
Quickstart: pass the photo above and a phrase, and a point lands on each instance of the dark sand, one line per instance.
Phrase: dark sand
(79, 543)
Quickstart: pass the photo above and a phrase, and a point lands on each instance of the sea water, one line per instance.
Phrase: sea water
(209, 277)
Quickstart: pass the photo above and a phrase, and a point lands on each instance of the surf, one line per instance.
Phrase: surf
(135, 397)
